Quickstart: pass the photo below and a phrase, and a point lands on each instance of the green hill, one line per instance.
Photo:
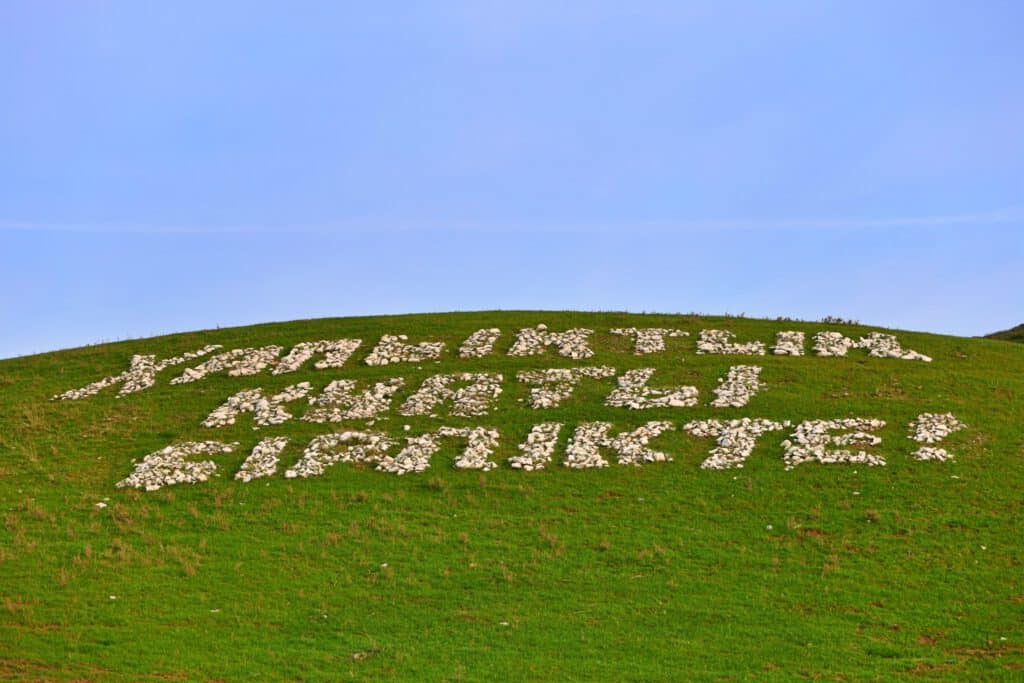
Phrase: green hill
(326, 566)
(1013, 334)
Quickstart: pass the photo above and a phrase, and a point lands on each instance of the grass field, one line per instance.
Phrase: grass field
(663, 572)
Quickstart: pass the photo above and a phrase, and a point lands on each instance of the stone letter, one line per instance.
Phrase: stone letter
(589, 438)
(141, 374)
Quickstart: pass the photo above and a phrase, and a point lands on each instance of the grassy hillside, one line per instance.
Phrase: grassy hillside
(666, 571)
(1013, 334)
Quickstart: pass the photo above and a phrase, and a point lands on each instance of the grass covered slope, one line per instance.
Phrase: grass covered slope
(664, 571)
(1013, 334)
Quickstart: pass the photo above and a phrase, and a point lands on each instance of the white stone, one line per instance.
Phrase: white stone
(266, 410)
(415, 457)
(634, 393)
(735, 439)
(811, 441)
(539, 447)
(140, 375)
(263, 459)
(584, 448)
(739, 385)
(886, 346)
(531, 341)
(877, 344)
(832, 344)
(335, 351)
(170, 465)
(236, 362)
(789, 344)
(648, 339)
(932, 428)
(720, 342)
(480, 343)
(339, 401)
(346, 447)
(394, 349)
(556, 384)
(474, 399)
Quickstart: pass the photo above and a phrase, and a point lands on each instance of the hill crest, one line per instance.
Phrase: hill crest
(609, 505)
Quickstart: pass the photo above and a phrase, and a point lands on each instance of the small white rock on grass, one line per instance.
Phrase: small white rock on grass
(538, 449)
(735, 439)
(140, 375)
(554, 385)
(336, 352)
(584, 448)
(395, 349)
(171, 465)
(263, 459)
(236, 363)
(415, 457)
(930, 428)
(633, 393)
(339, 401)
(812, 439)
(739, 385)
(474, 398)
(720, 342)
(648, 339)
(346, 447)
(572, 343)
(266, 410)
(789, 344)
(480, 343)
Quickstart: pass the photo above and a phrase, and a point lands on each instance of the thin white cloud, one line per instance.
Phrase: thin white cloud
(1002, 216)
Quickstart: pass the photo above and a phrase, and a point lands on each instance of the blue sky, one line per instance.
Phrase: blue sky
(176, 166)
